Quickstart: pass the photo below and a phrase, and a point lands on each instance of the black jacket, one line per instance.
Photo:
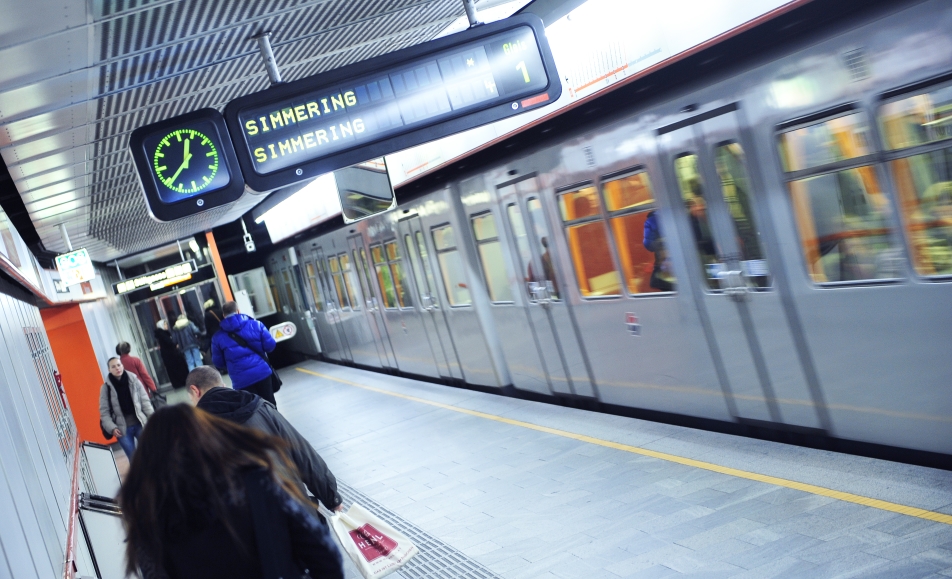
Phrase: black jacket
(173, 359)
(293, 539)
(251, 410)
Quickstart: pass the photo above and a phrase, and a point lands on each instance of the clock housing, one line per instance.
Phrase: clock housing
(186, 164)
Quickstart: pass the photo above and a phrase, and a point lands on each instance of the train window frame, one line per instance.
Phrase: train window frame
(486, 241)
(709, 285)
(447, 250)
(612, 214)
(599, 216)
(893, 156)
(385, 265)
(399, 281)
(871, 160)
(339, 288)
(349, 276)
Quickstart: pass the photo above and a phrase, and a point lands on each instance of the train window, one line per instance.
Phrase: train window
(490, 255)
(347, 272)
(637, 233)
(729, 162)
(424, 259)
(823, 143)
(288, 290)
(842, 214)
(399, 278)
(360, 263)
(451, 266)
(541, 229)
(917, 120)
(315, 292)
(691, 186)
(384, 277)
(334, 265)
(522, 239)
(588, 242)
(923, 181)
(274, 292)
(579, 204)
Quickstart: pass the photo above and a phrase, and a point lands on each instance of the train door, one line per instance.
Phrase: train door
(364, 345)
(372, 305)
(555, 334)
(732, 279)
(333, 312)
(434, 321)
(325, 337)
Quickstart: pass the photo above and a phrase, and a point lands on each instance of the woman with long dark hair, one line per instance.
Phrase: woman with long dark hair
(207, 498)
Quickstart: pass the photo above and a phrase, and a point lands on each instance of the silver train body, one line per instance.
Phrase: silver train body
(836, 323)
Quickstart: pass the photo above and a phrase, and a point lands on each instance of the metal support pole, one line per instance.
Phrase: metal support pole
(115, 262)
(180, 252)
(69, 246)
(270, 64)
(470, 7)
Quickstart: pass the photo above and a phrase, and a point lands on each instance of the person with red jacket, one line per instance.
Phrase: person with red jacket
(135, 365)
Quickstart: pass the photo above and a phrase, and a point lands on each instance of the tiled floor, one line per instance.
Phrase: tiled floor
(530, 504)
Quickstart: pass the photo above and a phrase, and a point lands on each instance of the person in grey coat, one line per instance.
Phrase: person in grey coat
(207, 391)
(124, 406)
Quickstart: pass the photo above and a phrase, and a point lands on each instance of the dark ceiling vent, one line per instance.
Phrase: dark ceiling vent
(857, 63)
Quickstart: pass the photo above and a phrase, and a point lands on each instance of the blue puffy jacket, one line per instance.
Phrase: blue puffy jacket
(244, 365)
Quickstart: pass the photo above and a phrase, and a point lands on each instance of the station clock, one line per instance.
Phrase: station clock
(186, 165)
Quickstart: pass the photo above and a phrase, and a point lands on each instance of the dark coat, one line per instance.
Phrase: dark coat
(212, 324)
(172, 358)
(297, 540)
(253, 411)
(244, 365)
(110, 413)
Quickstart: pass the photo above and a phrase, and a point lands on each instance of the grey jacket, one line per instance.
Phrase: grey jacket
(115, 419)
(253, 411)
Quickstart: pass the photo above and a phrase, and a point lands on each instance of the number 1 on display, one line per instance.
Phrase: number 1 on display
(522, 66)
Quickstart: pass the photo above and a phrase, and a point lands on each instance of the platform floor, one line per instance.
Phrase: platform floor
(523, 489)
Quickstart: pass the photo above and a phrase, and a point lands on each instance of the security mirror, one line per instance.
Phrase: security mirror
(364, 190)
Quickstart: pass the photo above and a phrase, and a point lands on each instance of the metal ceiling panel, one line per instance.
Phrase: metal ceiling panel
(48, 125)
(104, 68)
(26, 21)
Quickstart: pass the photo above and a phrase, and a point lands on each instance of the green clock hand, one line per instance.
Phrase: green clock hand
(184, 164)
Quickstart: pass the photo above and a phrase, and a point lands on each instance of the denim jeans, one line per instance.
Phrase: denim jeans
(128, 442)
(194, 358)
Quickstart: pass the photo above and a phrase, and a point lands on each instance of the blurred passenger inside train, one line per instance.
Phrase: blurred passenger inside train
(207, 391)
(242, 346)
(212, 323)
(548, 272)
(209, 499)
(662, 278)
(172, 356)
(124, 406)
(186, 335)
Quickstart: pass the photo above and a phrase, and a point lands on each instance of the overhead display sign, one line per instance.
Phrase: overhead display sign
(186, 164)
(309, 127)
(158, 279)
(75, 267)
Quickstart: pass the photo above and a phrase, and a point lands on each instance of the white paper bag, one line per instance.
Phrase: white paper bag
(376, 548)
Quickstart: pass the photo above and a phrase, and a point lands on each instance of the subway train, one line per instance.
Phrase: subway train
(757, 232)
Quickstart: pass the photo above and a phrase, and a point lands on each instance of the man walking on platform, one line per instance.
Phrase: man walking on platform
(207, 391)
(242, 345)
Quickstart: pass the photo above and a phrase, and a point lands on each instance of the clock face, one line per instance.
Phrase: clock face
(186, 161)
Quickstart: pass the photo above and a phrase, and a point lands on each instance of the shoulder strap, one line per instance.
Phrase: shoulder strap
(244, 344)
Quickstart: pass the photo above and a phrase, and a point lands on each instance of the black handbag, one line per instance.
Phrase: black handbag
(275, 379)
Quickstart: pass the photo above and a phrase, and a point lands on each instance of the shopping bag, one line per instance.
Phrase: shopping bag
(376, 548)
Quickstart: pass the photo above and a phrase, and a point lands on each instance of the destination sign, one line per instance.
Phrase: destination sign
(158, 279)
(315, 125)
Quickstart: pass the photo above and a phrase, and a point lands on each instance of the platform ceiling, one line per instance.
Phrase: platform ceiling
(77, 76)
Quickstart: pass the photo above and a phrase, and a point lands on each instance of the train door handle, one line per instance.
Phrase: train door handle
(734, 284)
(539, 292)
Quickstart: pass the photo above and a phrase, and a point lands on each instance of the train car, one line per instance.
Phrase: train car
(758, 231)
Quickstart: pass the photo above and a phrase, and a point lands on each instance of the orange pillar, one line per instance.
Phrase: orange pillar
(77, 363)
(219, 268)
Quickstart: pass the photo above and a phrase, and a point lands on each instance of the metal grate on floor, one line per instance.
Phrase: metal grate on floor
(436, 559)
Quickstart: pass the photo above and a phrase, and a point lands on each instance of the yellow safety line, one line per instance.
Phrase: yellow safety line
(780, 482)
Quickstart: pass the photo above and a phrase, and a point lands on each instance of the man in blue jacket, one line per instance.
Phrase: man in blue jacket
(241, 345)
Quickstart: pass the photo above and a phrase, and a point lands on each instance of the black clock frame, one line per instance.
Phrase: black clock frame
(228, 160)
